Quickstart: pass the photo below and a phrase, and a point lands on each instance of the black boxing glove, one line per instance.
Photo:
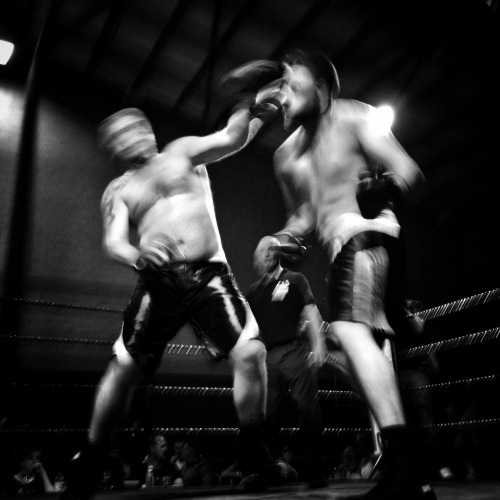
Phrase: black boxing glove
(377, 190)
(243, 83)
(269, 101)
(290, 248)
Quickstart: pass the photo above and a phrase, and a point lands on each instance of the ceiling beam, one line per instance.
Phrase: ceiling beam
(240, 18)
(301, 28)
(211, 63)
(149, 64)
(66, 32)
(107, 34)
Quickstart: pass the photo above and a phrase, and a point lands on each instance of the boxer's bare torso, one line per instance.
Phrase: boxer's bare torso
(168, 200)
(321, 168)
(325, 170)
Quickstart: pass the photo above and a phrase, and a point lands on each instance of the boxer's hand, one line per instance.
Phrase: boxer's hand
(319, 354)
(155, 251)
(291, 248)
(394, 185)
(243, 83)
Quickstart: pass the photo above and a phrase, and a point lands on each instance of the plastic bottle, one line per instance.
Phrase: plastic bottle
(59, 482)
(150, 480)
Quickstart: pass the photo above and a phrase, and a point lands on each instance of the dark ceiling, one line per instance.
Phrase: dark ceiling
(434, 61)
(171, 54)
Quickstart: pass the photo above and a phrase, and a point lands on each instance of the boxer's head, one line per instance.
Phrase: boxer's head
(310, 82)
(127, 136)
(265, 257)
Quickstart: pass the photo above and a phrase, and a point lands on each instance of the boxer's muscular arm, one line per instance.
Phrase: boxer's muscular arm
(255, 107)
(240, 130)
(116, 243)
(315, 333)
(385, 149)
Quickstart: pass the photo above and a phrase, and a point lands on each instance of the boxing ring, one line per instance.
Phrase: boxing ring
(487, 338)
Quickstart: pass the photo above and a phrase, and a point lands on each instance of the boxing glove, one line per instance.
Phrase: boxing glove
(269, 101)
(377, 190)
(242, 84)
(290, 247)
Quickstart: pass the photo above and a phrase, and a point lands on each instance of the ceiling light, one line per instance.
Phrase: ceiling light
(381, 119)
(6, 49)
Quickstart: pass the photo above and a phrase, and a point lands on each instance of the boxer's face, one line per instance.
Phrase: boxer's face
(129, 139)
(302, 98)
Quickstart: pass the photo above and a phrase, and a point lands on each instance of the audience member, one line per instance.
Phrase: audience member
(366, 456)
(193, 468)
(31, 476)
(115, 471)
(232, 474)
(157, 462)
(349, 468)
(287, 465)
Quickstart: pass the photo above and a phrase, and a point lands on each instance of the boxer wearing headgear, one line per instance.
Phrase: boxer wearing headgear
(182, 276)
(318, 168)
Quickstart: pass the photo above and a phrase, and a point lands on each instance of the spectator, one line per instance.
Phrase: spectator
(349, 468)
(194, 469)
(31, 477)
(163, 471)
(367, 459)
(115, 471)
(287, 465)
(232, 474)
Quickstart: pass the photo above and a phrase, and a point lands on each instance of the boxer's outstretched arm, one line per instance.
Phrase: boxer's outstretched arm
(213, 147)
(255, 107)
(385, 149)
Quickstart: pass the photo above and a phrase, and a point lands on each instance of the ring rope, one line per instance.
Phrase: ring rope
(190, 431)
(233, 431)
(470, 383)
(186, 349)
(446, 345)
(425, 314)
(67, 305)
(64, 340)
(172, 349)
(466, 424)
(165, 390)
(196, 350)
(457, 305)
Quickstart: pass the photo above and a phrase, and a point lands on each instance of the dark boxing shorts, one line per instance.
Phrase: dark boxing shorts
(359, 273)
(203, 293)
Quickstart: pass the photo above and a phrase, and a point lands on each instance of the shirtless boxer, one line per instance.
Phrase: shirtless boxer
(318, 168)
(183, 275)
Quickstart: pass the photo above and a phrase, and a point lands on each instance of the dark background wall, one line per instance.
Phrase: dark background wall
(451, 254)
(451, 238)
(64, 260)
(451, 241)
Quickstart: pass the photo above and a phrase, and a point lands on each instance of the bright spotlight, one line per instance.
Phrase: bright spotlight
(6, 49)
(381, 119)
